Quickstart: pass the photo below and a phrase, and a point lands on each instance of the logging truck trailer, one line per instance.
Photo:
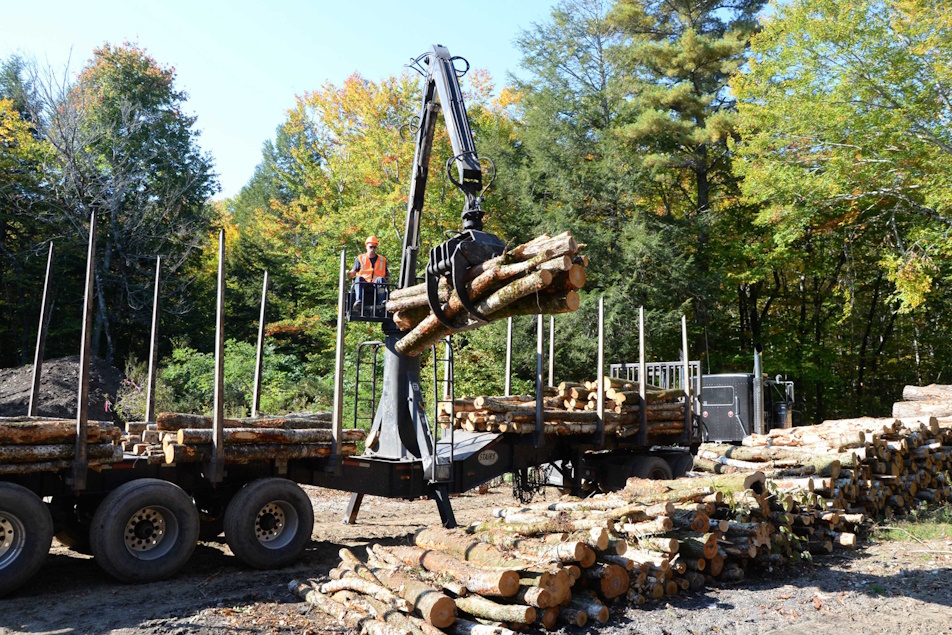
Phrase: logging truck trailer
(142, 520)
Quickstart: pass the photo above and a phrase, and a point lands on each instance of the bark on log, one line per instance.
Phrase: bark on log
(175, 453)
(435, 607)
(356, 583)
(535, 596)
(348, 618)
(466, 627)
(99, 452)
(172, 421)
(922, 408)
(496, 583)
(199, 436)
(431, 330)
(593, 608)
(466, 548)
(487, 609)
(931, 392)
(44, 432)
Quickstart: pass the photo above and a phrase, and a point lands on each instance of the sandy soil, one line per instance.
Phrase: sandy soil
(890, 588)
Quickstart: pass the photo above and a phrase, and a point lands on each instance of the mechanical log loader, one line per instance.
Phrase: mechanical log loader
(142, 520)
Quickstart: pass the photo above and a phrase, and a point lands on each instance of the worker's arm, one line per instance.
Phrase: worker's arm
(353, 272)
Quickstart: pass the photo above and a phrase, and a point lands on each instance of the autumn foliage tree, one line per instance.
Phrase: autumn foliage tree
(124, 148)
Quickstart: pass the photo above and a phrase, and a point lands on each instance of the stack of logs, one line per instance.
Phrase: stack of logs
(40, 444)
(868, 465)
(186, 438)
(573, 409)
(574, 558)
(538, 277)
(569, 562)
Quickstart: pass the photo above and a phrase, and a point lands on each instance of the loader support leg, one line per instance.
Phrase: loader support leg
(353, 507)
(441, 494)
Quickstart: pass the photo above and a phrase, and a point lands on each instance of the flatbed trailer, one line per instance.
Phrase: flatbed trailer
(142, 520)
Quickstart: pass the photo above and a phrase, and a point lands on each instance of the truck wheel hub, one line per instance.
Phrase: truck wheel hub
(277, 524)
(12, 538)
(271, 522)
(145, 530)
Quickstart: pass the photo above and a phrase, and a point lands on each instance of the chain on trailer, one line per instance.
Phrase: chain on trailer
(531, 481)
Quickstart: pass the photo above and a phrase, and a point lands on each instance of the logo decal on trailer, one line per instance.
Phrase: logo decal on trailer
(487, 457)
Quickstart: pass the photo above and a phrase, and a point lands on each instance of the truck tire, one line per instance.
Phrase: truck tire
(268, 523)
(653, 467)
(26, 533)
(144, 531)
(681, 464)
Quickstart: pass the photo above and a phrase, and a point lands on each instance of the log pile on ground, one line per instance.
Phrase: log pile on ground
(41, 444)
(538, 277)
(573, 409)
(576, 558)
(868, 465)
(569, 562)
(186, 438)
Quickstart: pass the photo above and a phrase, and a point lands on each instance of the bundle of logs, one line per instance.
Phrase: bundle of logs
(538, 277)
(869, 465)
(934, 400)
(572, 408)
(569, 562)
(186, 438)
(40, 444)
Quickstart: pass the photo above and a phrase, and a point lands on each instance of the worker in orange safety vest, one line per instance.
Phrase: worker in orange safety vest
(370, 269)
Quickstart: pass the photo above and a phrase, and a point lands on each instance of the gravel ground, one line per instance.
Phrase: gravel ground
(890, 588)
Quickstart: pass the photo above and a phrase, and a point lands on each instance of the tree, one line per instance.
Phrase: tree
(123, 147)
(22, 246)
(845, 152)
(675, 62)
(844, 111)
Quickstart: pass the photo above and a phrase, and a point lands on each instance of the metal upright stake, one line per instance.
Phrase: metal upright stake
(81, 457)
(40, 339)
(217, 465)
(259, 360)
(551, 351)
(642, 385)
(601, 371)
(153, 344)
(688, 404)
(540, 392)
(508, 391)
(338, 413)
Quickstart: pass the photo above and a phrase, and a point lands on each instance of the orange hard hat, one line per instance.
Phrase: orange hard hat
(371, 240)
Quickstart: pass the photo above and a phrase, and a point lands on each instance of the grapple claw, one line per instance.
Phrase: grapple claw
(453, 259)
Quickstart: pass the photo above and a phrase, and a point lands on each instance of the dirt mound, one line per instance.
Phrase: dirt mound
(59, 385)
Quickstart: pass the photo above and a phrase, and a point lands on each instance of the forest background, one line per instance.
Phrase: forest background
(778, 172)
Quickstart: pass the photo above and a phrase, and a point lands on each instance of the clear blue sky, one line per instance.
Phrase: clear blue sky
(242, 62)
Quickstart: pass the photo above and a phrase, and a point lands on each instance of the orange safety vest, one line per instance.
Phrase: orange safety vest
(371, 272)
